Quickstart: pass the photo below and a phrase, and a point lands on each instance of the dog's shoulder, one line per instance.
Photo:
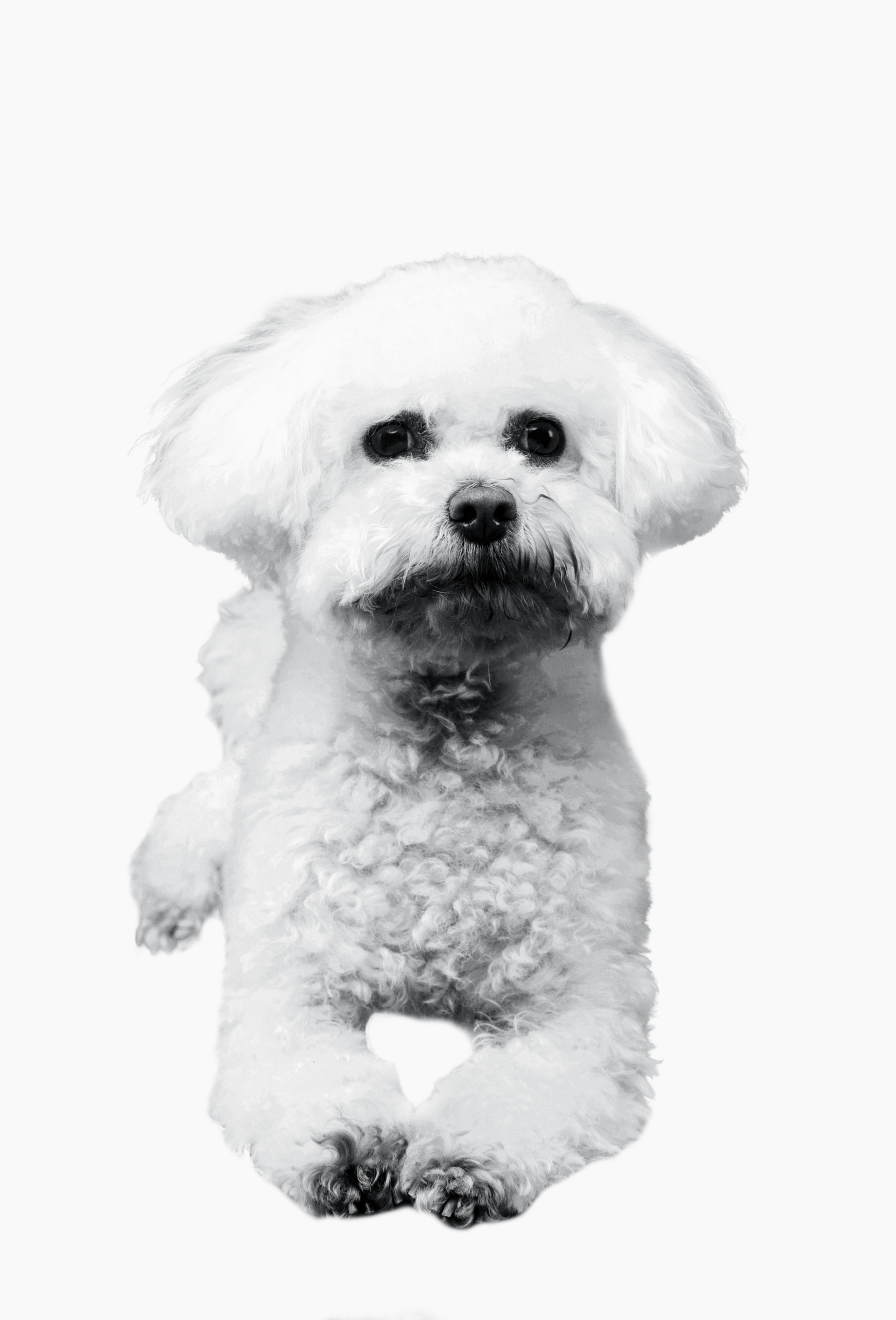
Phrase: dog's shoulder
(239, 661)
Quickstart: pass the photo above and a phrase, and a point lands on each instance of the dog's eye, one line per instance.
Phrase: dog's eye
(541, 437)
(397, 437)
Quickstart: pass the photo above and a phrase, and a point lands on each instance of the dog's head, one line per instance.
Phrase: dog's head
(459, 450)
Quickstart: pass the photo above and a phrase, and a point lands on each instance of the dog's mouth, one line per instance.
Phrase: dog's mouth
(485, 597)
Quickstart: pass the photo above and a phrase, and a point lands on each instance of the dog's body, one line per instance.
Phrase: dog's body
(441, 484)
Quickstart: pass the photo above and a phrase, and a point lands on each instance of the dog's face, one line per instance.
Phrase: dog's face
(459, 454)
(466, 516)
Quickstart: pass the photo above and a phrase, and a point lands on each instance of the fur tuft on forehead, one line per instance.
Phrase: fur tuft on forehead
(439, 322)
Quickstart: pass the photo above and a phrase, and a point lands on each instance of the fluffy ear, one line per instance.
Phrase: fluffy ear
(677, 466)
(230, 465)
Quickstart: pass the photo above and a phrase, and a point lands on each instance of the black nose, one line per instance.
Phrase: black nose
(482, 514)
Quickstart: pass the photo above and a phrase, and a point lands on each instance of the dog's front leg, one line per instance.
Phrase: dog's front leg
(323, 1117)
(527, 1109)
(176, 872)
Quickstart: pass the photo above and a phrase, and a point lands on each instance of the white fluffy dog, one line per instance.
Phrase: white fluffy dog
(440, 485)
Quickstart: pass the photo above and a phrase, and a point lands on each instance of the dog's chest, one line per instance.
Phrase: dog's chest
(405, 848)
(437, 882)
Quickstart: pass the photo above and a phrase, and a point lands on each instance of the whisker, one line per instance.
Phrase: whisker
(570, 550)
(552, 560)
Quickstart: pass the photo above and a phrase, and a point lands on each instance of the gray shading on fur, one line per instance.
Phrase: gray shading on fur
(363, 1178)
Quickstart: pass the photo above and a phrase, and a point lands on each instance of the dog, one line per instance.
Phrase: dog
(440, 486)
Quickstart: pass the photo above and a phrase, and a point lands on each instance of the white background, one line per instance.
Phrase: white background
(721, 170)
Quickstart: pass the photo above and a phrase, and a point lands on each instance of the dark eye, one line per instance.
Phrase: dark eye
(541, 437)
(399, 436)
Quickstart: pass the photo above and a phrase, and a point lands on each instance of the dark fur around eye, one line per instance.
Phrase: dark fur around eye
(537, 435)
(401, 436)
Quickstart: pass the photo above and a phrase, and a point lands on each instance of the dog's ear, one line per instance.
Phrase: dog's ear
(231, 465)
(677, 466)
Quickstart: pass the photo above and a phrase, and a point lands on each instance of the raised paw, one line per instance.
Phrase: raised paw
(361, 1179)
(169, 928)
(463, 1192)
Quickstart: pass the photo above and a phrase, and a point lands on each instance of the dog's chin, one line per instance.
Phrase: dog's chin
(476, 609)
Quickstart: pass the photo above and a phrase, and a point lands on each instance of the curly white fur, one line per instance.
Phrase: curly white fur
(426, 804)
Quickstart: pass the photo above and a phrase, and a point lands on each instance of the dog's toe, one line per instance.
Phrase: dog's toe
(463, 1192)
(361, 1179)
(169, 929)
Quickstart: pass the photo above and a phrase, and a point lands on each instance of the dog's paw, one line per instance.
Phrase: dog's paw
(169, 928)
(463, 1192)
(362, 1178)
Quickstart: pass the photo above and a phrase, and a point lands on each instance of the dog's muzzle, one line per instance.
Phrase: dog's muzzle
(482, 514)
